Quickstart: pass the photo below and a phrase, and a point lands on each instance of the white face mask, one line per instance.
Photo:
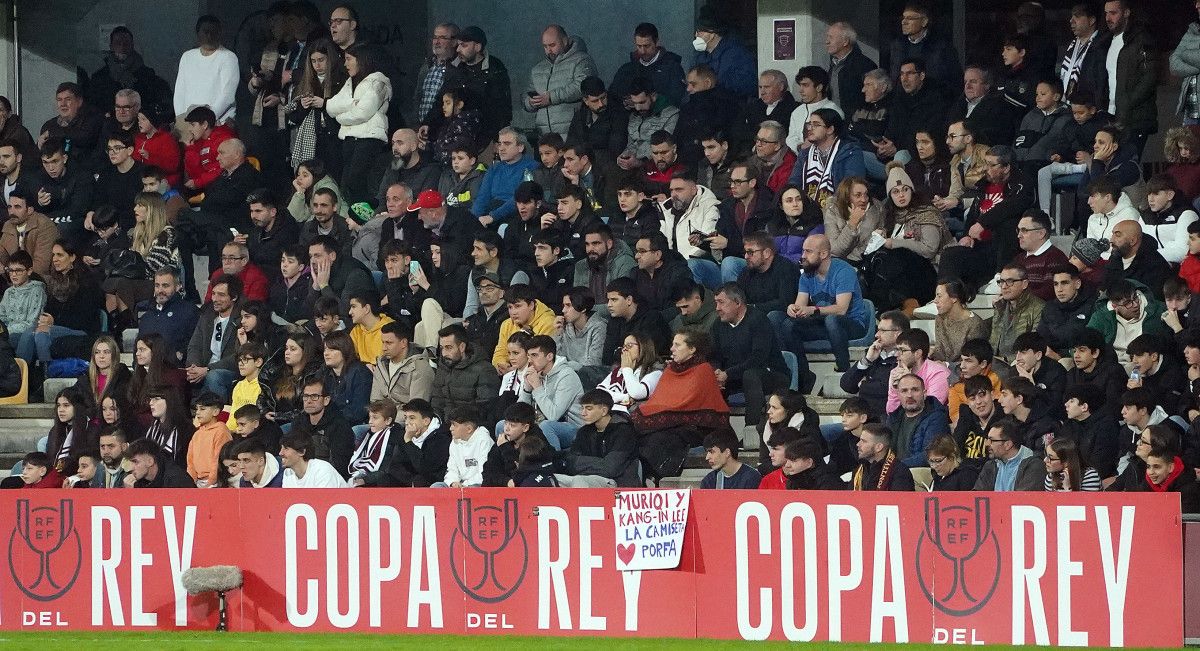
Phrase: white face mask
(699, 44)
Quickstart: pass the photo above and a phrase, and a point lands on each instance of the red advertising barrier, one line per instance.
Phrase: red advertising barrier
(1002, 568)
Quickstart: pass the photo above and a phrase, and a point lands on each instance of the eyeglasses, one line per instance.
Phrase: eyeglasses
(900, 349)
(733, 181)
(312, 396)
(1142, 441)
(813, 125)
(1006, 282)
(232, 258)
(936, 461)
(992, 440)
(124, 107)
(114, 150)
(952, 136)
(750, 252)
(1129, 302)
(766, 142)
(1055, 459)
(334, 22)
(1022, 229)
(629, 346)
(887, 330)
(17, 270)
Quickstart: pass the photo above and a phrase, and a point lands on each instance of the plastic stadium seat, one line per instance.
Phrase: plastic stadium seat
(822, 346)
(22, 396)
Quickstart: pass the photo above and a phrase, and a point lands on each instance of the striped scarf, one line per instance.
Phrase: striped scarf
(885, 475)
(165, 440)
(1068, 70)
(818, 176)
(369, 455)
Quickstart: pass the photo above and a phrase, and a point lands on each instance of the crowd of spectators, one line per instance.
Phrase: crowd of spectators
(452, 300)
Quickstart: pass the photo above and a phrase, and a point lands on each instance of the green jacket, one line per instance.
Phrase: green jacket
(1012, 319)
(1104, 318)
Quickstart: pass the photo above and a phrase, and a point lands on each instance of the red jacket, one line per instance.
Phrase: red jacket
(254, 284)
(53, 479)
(774, 481)
(162, 151)
(1189, 271)
(779, 177)
(200, 157)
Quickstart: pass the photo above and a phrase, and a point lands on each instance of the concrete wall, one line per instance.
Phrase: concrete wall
(812, 18)
(57, 37)
(514, 29)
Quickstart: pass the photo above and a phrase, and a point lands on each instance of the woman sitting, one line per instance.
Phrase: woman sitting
(106, 376)
(70, 433)
(310, 177)
(73, 304)
(347, 379)
(635, 377)
(461, 127)
(930, 170)
(151, 370)
(229, 469)
(946, 466)
(795, 217)
(512, 381)
(901, 272)
(686, 405)
(955, 323)
(116, 415)
(1065, 470)
(786, 408)
(850, 219)
(301, 360)
(171, 425)
(153, 240)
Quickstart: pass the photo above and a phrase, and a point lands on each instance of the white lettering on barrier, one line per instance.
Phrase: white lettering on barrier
(1116, 571)
(1026, 580)
(333, 583)
(106, 589)
(758, 512)
(787, 572)
(836, 514)
(1068, 568)
(425, 560)
(552, 581)
(888, 554)
(588, 563)
(379, 573)
(296, 513)
(631, 582)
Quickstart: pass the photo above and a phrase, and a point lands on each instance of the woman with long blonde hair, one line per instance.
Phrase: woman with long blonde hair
(106, 376)
(153, 238)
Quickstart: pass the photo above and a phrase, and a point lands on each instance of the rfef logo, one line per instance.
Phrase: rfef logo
(484, 536)
(44, 552)
(958, 556)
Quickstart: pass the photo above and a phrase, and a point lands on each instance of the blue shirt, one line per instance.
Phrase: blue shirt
(841, 279)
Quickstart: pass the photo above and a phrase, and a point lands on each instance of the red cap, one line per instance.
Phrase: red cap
(427, 199)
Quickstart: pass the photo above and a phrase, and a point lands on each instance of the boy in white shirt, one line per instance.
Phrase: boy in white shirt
(469, 449)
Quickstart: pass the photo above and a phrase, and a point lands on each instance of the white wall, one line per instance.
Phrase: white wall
(812, 18)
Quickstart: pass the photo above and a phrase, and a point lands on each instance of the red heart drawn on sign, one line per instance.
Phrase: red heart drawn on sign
(625, 553)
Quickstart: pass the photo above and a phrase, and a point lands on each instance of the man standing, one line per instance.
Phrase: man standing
(208, 74)
(879, 467)
(1083, 52)
(1128, 79)
(124, 69)
(486, 78)
(916, 40)
(828, 306)
(727, 56)
(553, 93)
(648, 114)
(435, 70)
(847, 65)
(918, 420)
(648, 59)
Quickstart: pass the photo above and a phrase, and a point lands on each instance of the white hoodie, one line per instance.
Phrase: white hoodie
(1100, 225)
(466, 458)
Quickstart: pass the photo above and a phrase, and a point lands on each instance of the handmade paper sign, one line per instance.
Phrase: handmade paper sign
(649, 528)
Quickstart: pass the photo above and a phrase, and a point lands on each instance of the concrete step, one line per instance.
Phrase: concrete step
(52, 385)
(21, 436)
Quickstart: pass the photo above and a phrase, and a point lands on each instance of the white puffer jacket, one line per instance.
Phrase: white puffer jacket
(362, 110)
(701, 215)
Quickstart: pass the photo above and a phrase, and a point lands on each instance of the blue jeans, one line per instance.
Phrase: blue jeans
(560, 435)
(38, 343)
(708, 273)
(838, 330)
(220, 381)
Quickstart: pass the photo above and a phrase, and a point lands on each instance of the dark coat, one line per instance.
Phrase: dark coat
(1148, 268)
(333, 440)
(267, 246)
(1098, 439)
(771, 290)
(175, 321)
(961, 478)
(992, 121)
(921, 111)
(665, 74)
(1020, 194)
(421, 466)
(1137, 80)
(850, 79)
(870, 384)
(706, 110)
(605, 133)
(347, 277)
(1062, 323)
(940, 56)
(656, 290)
(745, 127)
(612, 453)
(820, 476)
(471, 381)
(170, 475)
(225, 197)
(647, 321)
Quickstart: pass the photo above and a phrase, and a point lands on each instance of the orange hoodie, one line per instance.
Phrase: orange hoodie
(205, 449)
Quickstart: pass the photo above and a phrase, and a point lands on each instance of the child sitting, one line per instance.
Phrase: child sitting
(204, 451)
(460, 181)
(251, 390)
(469, 447)
(368, 465)
(23, 301)
(38, 472)
(535, 465)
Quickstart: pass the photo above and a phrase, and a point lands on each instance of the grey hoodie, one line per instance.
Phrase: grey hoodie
(578, 349)
(21, 306)
(558, 397)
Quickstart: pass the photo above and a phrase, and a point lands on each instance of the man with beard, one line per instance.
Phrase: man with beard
(401, 222)
(553, 91)
(407, 166)
(11, 160)
(433, 73)
(649, 114)
(170, 315)
(111, 473)
(690, 215)
(271, 233)
(918, 420)
(663, 164)
(605, 260)
(1136, 258)
(649, 60)
(879, 467)
(602, 128)
(124, 68)
(28, 230)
